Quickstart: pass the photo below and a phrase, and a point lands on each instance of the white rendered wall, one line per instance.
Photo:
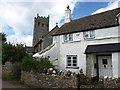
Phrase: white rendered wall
(119, 64)
(116, 64)
(52, 53)
(106, 33)
(78, 46)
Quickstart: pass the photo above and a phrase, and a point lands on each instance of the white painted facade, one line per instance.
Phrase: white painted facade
(78, 46)
(60, 49)
(51, 52)
(116, 64)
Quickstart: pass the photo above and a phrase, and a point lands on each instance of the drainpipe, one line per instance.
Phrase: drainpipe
(58, 50)
(97, 68)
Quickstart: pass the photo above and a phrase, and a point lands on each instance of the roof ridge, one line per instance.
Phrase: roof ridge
(105, 19)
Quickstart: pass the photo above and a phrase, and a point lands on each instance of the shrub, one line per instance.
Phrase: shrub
(44, 63)
(29, 63)
(13, 53)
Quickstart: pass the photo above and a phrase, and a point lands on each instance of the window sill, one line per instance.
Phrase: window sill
(89, 39)
(70, 42)
(73, 67)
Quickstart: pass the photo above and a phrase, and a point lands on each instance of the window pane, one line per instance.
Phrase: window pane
(74, 64)
(74, 57)
(69, 61)
(65, 37)
(68, 57)
(70, 37)
(85, 34)
(68, 64)
(89, 34)
(92, 35)
(104, 61)
(74, 61)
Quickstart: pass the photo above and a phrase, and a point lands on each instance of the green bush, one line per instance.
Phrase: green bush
(29, 63)
(13, 53)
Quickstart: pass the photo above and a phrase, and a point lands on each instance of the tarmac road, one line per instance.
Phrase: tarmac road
(6, 84)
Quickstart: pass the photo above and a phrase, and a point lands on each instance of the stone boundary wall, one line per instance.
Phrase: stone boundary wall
(11, 69)
(40, 80)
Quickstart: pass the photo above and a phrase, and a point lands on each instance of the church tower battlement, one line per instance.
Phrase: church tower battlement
(41, 28)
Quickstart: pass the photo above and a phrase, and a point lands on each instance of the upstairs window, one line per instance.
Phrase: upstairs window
(68, 37)
(89, 35)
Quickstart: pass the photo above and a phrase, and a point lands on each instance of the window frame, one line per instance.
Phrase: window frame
(104, 61)
(68, 37)
(71, 62)
(90, 35)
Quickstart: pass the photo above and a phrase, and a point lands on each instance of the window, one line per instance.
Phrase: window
(104, 61)
(71, 60)
(38, 23)
(42, 24)
(68, 37)
(89, 35)
(65, 37)
(47, 25)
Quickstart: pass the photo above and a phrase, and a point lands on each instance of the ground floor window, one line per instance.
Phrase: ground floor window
(71, 60)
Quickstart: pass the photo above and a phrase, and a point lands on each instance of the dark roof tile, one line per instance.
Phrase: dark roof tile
(102, 48)
(96, 21)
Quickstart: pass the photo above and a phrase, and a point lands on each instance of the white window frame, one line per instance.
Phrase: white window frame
(70, 59)
(68, 37)
(88, 35)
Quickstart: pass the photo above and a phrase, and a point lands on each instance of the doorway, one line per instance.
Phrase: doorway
(104, 65)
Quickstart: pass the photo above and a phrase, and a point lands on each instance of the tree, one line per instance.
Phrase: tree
(3, 37)
(29, 63)
(13, 53)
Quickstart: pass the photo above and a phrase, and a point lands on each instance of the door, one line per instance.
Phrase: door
(105, 66)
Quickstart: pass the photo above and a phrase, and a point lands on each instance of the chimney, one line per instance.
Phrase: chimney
(67, 15)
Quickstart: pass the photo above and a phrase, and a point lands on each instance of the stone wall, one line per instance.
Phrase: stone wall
(11, 69)
(89, 65)
(48, 81)
(110, 82)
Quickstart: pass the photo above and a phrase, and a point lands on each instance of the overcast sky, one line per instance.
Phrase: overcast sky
(17, 16)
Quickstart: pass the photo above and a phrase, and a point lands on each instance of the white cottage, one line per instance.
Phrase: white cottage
(90, 43)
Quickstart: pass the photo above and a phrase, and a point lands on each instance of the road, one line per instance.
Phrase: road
(6, 84)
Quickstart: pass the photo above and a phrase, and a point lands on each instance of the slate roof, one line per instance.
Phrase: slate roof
(102, 48)
(30, 49)
(96, 21)
(48, 35)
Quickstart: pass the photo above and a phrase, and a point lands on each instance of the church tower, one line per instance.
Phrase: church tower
(41, 28)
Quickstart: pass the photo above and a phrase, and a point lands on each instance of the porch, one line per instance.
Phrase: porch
(103, 60)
